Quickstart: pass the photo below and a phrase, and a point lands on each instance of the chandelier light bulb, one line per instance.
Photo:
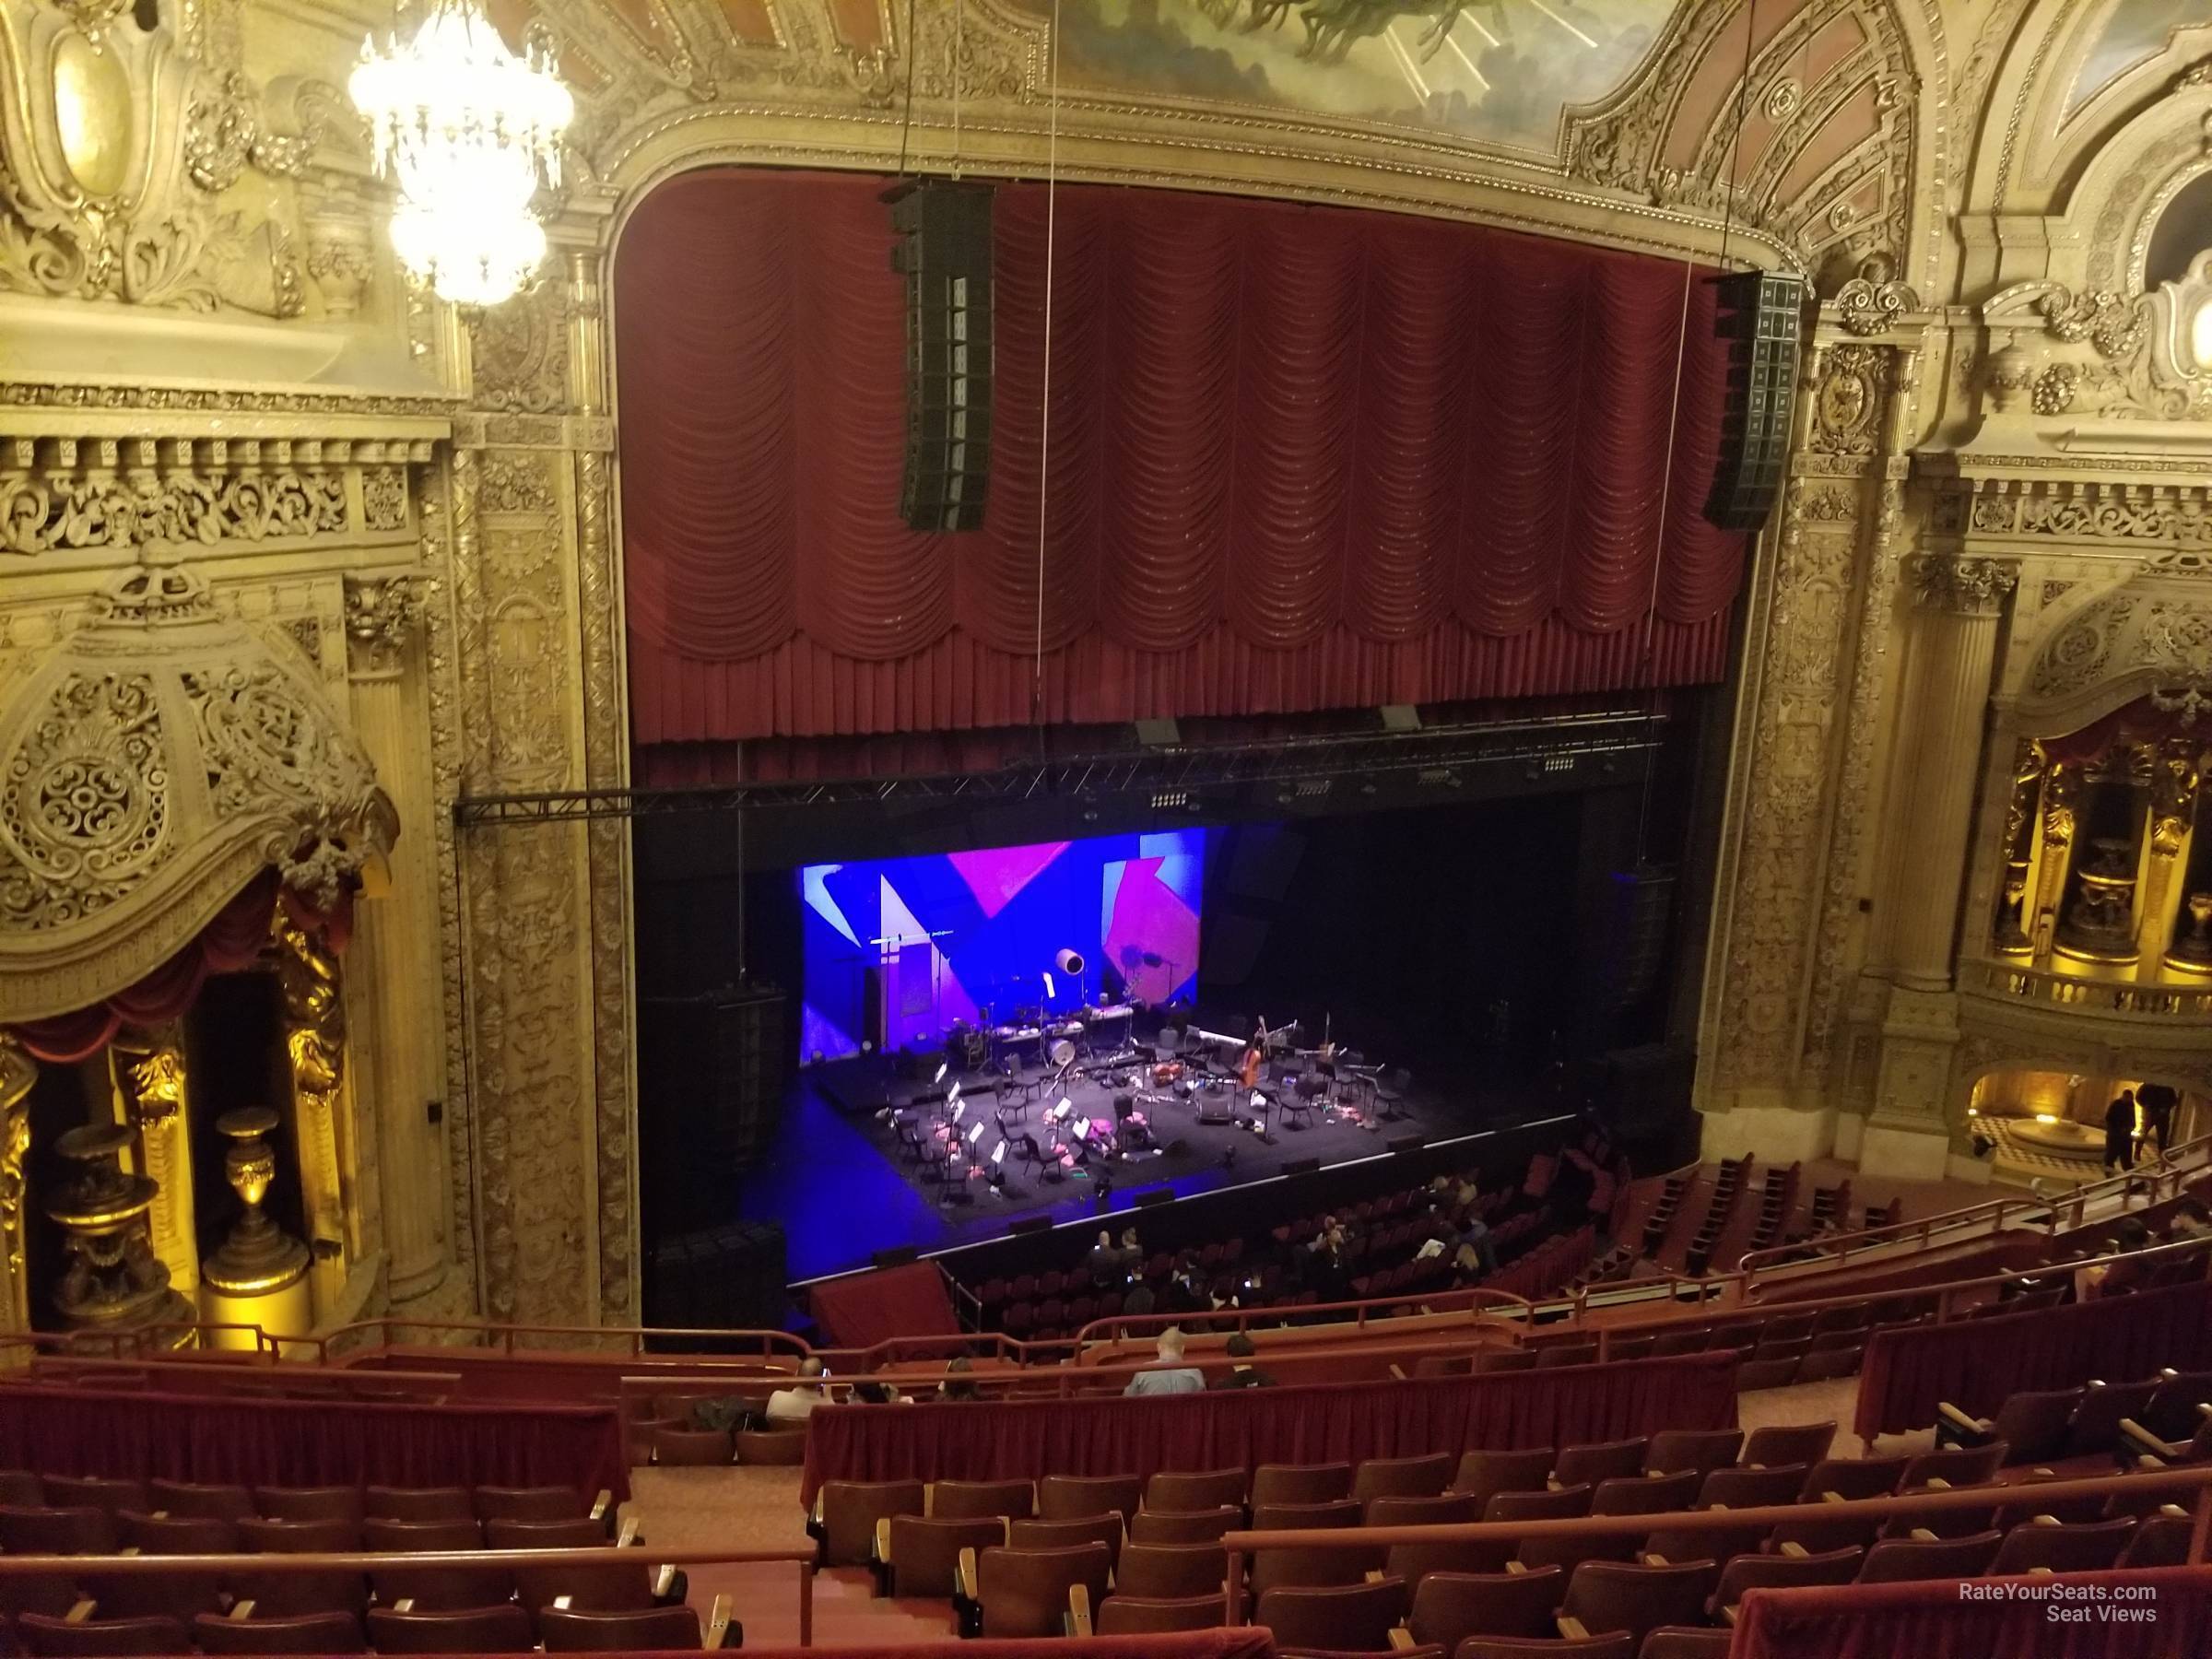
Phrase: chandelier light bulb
(466, 131)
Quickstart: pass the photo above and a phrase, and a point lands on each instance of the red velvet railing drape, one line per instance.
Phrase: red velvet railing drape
(1025, 1439)
(864, 1308)
(2160, 1613)
(1300, 458)
(1974, 1363)
(310, 1442)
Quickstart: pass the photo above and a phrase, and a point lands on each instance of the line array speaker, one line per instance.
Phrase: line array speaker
(1640, 902)
(1761, 315)
(728, 1278)
(711, 1074)
(944, 253)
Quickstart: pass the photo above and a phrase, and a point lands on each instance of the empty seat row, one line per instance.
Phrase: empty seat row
(2078, 1422)
(188, 1500)
(81, 1634)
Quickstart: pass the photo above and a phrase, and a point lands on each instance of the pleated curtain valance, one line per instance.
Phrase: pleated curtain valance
(1297, 458)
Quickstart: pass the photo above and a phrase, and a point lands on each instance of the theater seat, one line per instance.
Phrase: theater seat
(309, 1504)
(1752, 1488)
(1401, 1477)
(1605, 1596)
(1783, 1571)
(92, 1491)
(308, 1634)
(1071, 1497)
(591, 1589)
(1483, 1475)
(2052, 1546)
(978, 1500)
(1788, 1443)
(1346, 1619)
(1619, 1646)
(2033, 1424)
(650, 1630)
(1673, 1450)
(1178, 1489)
(917, 1555)
(1319, 1567)
(1853, 1478)
(2159, 1541)
(1958, 1466)
(68, 1637)
(691, 1448)
(51, 1530)
(1645, 1494)
(1124, 1615)
(538, 1503)
(1301, 1483)
(783, 1448)
(286, 1594)
(1032, 1593)
(496, 1629)
(1681, 1641)
(192, 1500)
(417, 1503)
(846, 1512)
(1600, 1462)
(1171, 1572)
(1448, 1608)
(1183, 1526)
(1899, 1560)
(432, 1589)
(1449, 1510)
(1031, 1533)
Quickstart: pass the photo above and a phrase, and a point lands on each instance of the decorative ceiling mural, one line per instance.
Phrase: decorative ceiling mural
(1499, 71)
(2134, 32)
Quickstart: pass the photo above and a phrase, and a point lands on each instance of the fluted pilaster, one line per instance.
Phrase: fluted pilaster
(1957, 603)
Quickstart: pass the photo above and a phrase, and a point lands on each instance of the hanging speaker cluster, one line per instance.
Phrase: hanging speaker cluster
(1761, 315)
(944, 253)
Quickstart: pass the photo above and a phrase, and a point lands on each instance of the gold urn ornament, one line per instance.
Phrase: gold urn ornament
(259, 1257)
(113, 1280)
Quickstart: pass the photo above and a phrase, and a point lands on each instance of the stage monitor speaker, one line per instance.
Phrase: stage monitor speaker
(1031, 1224)
(1763, 316)
(1152, 1195)
(1401, 717)
(896, 1258)
(944, 253)
(710, 1076)
(1159, 734)
(726, 1278)
(1407, 1142)
(1302, 1166)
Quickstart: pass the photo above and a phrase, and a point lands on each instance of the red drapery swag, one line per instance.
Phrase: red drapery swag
(2158, 1613)
(1975, 1364)
(1340, 1422)
(230, 941)
(310, 1442)
(1298, 458)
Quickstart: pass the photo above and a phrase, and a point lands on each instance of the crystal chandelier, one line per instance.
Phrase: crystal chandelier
(466, 131)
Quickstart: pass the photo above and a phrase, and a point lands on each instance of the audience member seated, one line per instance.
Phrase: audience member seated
(1242, 1374)
(960, 1386)
(795, 1404)
(1171, 1376)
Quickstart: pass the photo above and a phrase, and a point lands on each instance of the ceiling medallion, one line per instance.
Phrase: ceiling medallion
(467, 131)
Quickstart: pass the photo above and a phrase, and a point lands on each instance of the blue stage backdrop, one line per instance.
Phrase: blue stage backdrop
(976, 935)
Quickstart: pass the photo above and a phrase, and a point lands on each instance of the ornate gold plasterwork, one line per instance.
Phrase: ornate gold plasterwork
(314, 1044)
(1874, 300)
(150, 764)
(2127, 355)
(383, 615)
(68, 495)
(119, 142)
(1973, 586)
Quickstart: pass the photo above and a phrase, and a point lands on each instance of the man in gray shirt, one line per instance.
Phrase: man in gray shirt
(1171, 1376)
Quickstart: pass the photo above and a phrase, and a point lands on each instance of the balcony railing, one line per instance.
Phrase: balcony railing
(2132, 998)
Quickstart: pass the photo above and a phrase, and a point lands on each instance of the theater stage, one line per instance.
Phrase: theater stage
(843, 1182)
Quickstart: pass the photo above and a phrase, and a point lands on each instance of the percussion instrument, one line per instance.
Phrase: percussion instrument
(1168, 1072)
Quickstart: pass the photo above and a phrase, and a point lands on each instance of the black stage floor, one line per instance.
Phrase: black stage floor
(843, 1187)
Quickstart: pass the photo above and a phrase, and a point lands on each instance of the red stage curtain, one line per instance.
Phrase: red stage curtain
(1974, 1363)
(864, 1308)
(1298, 458)
(232, 941)
(1252, 1641)
(1940, 1619)
(310, 1442)
(1023, 1440)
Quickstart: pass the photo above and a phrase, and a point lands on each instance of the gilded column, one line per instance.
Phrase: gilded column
(315, 1017)
(2173, 784)
(400, 1020)
(2062, 795)
(1954, 649)
(147, 1067)
(18, 1073)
